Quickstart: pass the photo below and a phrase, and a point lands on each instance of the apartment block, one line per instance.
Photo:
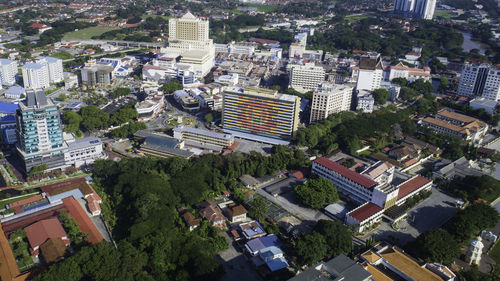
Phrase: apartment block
(370, 73)
(260, 114)
(8, 72)
(304, 78)
(35, 76)
(421, 9)
(480, 80)
(329, 99)
(54, 68)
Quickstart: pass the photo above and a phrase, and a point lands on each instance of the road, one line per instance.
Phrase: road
(236, 264)
(288, 202)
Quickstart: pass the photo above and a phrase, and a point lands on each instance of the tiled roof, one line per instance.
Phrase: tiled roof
(40, 231)
(25, 201)
(353, 176)
(456, 116)
(236, 211)
(447, 125)
(53, 250)
(411, 185)
(84, 223)
(60, 187)
(364, 211)
(408, 266)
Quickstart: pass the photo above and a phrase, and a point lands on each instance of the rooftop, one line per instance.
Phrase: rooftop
(84, 223)
(40, 231)
(411, 185)
(53, 250)
(408, 266)
(364, 211)
(8, 108)
(345, 172)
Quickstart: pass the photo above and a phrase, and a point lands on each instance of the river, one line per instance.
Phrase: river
(470, 44)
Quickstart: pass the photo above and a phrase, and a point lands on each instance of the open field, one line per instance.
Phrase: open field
(442, 14)
(88, 33)
(355, 18)
(264, 8)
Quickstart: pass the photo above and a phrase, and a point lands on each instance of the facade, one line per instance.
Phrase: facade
(236, 213)
(459, 125)
(329, 99)
(97, 75)
(188, 37)
(39, 132)
(185, 100)
(370, 73)
(35, 76)
(260, 114)
(421, 9)
(374, 189)
(84, 151)
(480, 80)
(202, 138)
(151, 107)
(339, 268)
(365, 101)
(54, 67)
(306, 77)
(409, 73)
(8, 72)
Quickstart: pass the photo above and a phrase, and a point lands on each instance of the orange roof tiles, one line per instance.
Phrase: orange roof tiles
(345, 172)
(364, 211)
(83, 220)
(40, 231)
(25, 201)
(411, 185)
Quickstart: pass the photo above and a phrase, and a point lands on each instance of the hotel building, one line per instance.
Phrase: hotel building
(480, 80)
(306, 77)
(260, 114)
(54, 68)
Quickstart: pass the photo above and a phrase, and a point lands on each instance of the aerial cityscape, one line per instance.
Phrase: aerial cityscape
(302, 140)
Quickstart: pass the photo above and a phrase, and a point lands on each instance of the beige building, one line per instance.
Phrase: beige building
(304, 78)
(188, 37)
(329, 99)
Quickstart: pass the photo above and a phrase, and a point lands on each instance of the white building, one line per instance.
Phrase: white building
(15, 92)
(54, 68)
(151, 107)
(394, 91)
(235, 48)
(8, 72)
(84, 151)
(422, 9)
(474, 251)
(365, 101)
(329, 99)
(35, 76)
(409, 73)
(370, 73)
(480, 80)
(70, 80)
(482, 103)
(304, 78)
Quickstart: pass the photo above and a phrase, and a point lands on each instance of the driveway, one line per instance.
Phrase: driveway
(429, 214)
(288, 202)
(236, 265)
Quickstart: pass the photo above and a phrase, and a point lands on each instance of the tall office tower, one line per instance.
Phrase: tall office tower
(480, 80)
(371, 72)
(188, 37)
(54, 67)
(260, 114)
(39, 132)
(329, 99)
(422, 9)
(8, 71)
(304, 78)
(35, 76)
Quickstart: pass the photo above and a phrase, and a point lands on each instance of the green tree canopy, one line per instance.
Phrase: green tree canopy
(437, 246)
(94, 118)
(317, 193)
(171, 87)
(311, 248)
(381, 95)
(337, 236)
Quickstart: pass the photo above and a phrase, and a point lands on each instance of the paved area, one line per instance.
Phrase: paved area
(288, 202)
(429, 214)
(99, 223)
(246, 146)
(236, 264)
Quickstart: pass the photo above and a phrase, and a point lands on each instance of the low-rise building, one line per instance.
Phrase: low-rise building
(15, 92)
(151, 107)
(338, 268)
(483, 103)
(163, 146)
(185, 100)
(236, 213)
(84, 151)
(252, 230)
(39, 232)
(365, 101)
(409, 73)
(190, 221)
(211, 212)
(203, 138)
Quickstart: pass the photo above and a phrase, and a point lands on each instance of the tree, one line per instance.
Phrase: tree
(258, 208)
(120, 92)
(37, 170)
(209, 117)
(317, 193)
(62, 97)
(311, 248)
(337, 237)
(94, 118)
(77, 237)
(171, 87)
(471, 221)
(381, 95)
(72, 121)
(124, 115)
(443, 84)
(437, 246)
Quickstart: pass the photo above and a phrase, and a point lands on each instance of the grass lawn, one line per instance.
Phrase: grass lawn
(495, 253)
(355, 18)
(3, 203)
(442, 14)
(87, 33)
(264, 8)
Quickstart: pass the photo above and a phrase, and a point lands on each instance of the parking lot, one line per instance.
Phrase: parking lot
(246, 146)
(429, 214)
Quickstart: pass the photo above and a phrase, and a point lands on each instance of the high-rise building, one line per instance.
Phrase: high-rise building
(480, 80)
(35, 76)
(260, 114)
(422, 9)
(329, 99)
(371, 72)
(188, 37)
(39, 132)
(8, 72)
(304, 78)
(97, 75)
(54, 68)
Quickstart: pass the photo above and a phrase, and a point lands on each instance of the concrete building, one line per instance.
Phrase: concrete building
(188, 37)
(394, 91)
(459, 125)
(480, 80)
(474, 251)
(15, 92)
(329, 99)
(409, 73)
(304, 78)
(375, 189)
(54, 68)
(8, 72)
(203, 138)
(260, 114)
(421, 9)
(70, 80)
(370, 73)
(151, 107)
(339, 268)
(482, 103)
(83, 152)
(97, 75)
(35, 76)
(365, 101)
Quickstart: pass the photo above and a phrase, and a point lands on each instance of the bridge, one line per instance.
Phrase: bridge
(120, 43)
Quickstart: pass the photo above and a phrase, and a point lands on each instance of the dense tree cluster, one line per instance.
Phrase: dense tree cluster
(381, 96)
(92, 118)
(128, 130)
(316, 193)
(437, 246)
(469, 222)
(472, 188)
(120, 92)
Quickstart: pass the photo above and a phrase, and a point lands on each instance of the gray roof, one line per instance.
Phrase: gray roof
(5, 61)
(33, 65)
(182, 128)
(85, 142)
(36, 99)
(338, 268)
(165, 145)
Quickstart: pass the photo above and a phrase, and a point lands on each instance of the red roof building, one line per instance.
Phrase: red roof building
(345, 172)
(43, 230)
(413, 185)
(364, 212)
(84, 223)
